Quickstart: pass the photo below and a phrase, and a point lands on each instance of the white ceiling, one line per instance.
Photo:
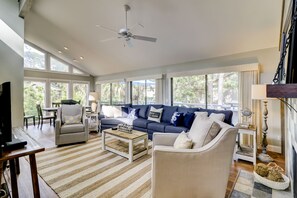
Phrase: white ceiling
(186, 30)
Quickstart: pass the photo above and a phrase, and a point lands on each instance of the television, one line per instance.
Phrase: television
(5, 115)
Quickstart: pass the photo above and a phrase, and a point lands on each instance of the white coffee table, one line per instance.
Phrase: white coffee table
(126, 144)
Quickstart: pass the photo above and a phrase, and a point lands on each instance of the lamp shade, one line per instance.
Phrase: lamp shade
(259, 92)
(93, 96)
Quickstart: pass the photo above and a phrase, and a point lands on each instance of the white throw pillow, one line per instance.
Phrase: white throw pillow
(155, 114)
(201, 113)
(183, 141)
(72, 119)
(117, 112)
(218, 116)
(203, 130)
(108, 111)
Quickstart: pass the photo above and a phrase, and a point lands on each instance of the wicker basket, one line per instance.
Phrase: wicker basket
(273, 184)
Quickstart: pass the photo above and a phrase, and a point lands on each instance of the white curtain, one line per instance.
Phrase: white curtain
(246, 80)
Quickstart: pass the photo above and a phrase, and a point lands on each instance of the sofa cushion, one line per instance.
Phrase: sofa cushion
(228, 114)
(157, 127)
(177, 119)
(168, 111)
(187, 110)
(155, 114)
(142, 110)
(116, 121)
(174, 129)
(140, 122)
(125, 111)
(203, 130)
(188, 120)
(73, 128)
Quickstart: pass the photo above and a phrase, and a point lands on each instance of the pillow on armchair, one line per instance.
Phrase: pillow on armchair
(70, 110)
(72, 119)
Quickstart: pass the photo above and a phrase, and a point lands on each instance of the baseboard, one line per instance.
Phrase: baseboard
(276, 149)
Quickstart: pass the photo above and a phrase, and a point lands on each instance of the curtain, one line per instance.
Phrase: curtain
(246, 80)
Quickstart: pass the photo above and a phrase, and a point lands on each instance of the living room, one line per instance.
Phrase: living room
(193, 54)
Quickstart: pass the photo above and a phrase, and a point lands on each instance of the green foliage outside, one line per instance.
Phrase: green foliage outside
(34, 93)
(80, 91)
(118, 92)
(105, 94)
(143, 92)
(59, 91)
(33, 58)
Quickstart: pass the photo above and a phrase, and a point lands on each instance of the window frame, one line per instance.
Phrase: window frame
(110, 92)
(45, 58)
(145, 93)
(61, 61)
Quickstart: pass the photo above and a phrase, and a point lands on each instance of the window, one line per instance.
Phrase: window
(59, 91)
(144, 92)
(118, 92)
(113, 93)
(58, 65)
(76, 71)
(189, 91)
(34, 93)
(105, 93)
(80, 92)
(222, 91)
(33, 58)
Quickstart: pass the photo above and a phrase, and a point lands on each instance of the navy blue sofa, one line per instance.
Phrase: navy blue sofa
(142, 124)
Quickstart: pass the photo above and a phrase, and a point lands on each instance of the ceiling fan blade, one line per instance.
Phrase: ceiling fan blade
(106, 28)
(109, 39)
(144, 38)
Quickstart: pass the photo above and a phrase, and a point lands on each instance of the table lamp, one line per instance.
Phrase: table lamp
(94, 98)
(259, 93)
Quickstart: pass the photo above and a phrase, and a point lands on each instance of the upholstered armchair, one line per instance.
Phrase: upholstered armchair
(201, 172)
(71, 125)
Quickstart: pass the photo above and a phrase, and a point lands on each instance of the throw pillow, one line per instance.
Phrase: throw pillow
(133, 113)
(201, 113)
(72, 119)
(177, 119)
(107, 111)
(203, 130)
(188, 119)
(218, 116)
(155, 114)
(182, 141)
(125, 112)
(117, 111)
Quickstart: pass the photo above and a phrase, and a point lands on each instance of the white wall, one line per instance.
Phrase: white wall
(11, 60)
(268, 60)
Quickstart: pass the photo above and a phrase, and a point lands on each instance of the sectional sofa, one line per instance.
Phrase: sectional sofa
(112, 119)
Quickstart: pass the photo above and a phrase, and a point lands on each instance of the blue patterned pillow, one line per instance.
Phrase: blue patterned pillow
(188, 120)
(177, 119)
(133, 113)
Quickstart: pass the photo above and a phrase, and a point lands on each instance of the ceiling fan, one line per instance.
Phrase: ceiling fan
(124, 33)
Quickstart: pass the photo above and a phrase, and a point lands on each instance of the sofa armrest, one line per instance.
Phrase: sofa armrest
(165, 139)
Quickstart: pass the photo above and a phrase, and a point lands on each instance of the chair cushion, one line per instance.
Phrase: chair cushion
(168, 111)
(203, 130)
(116, 121)
(183, 141)
(174, 129)
(154, 126)
(72, 128)
(142, 123)
(155, 114)
(70, 110)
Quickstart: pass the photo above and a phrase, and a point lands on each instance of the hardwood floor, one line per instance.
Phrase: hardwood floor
(46, 137)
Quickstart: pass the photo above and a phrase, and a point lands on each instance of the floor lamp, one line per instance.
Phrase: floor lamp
(259, 93)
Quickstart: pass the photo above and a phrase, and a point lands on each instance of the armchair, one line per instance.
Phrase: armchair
(201, 172)
(75, 130)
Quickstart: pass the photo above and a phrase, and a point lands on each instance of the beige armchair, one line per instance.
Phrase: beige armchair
(201, 172)
(69, 129)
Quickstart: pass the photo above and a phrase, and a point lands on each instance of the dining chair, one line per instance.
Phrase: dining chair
(27, 117)
(41, 117)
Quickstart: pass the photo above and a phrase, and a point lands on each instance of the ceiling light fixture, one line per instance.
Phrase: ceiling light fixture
(60, 52)
(66, 48)
(74, 60)
(81, 58)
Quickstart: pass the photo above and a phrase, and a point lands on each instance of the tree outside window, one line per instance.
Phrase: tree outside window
(105, 94)
(58, 65)
(59, 91)
(144, 92)
(118, 92)
(34, 93)
(80, 92)
(33, 58)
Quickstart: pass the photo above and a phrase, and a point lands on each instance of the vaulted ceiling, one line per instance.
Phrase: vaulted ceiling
(186, 30)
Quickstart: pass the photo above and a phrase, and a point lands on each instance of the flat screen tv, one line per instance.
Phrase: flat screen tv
(5, 114)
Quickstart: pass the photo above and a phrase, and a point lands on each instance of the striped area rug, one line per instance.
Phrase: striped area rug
(85, 170)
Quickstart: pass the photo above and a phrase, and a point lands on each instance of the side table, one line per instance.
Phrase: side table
(246, 152)
(93, 121)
